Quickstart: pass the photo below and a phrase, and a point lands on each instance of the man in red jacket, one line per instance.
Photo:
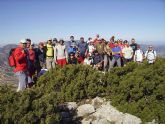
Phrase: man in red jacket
(21, 65)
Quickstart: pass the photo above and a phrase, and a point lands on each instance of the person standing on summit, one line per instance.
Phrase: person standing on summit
(150, 55)
(83, 48)
(50, 55)
(60, 53)
(71, 45)
(21, 65)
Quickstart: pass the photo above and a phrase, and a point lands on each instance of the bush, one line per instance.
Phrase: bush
(140, 91)
(135, 89)
(30, 106)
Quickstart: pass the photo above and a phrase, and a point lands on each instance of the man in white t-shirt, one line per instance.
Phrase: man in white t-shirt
(127, 52)
(60, 53)
(139, 55)
(150, 55)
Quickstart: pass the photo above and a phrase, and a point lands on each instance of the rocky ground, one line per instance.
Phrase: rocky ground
(96, 111)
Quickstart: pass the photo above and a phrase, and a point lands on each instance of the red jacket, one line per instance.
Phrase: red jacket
(31, 55)
(20, 59)
(111, 45)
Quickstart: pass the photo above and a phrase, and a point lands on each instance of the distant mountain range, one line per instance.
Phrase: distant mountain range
(6, 73)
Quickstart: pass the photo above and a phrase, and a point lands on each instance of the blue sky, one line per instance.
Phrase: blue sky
(42, 19)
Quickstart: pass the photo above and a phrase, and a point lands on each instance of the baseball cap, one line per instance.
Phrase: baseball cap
(23, 41)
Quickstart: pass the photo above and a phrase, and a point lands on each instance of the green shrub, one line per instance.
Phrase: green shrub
(135, 89)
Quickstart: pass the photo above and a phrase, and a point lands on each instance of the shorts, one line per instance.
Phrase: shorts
(61, 62)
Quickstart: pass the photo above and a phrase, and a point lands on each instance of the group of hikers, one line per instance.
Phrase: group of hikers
(33, 60)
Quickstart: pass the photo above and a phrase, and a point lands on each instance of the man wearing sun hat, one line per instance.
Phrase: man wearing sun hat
(21, 65)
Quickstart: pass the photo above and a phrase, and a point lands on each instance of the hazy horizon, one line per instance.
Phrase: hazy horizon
(138, 42)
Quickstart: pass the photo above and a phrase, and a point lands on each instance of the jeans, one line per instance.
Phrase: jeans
(114, 60)
(22, 77)
(50, 63)
(107, 62)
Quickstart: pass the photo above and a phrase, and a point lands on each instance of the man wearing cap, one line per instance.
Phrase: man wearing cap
(49, 55)
(150, 55)
(21, 65)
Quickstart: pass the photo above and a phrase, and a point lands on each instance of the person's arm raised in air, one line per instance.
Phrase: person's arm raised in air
(66, 53)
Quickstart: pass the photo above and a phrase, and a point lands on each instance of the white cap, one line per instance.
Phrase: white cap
(23, 41)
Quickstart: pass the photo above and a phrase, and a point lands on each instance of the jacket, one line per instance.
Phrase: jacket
(20, 60)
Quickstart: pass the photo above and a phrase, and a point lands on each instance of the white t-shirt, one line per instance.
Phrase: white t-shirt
(87, 61)
(150, 55)
(60, 51)
(138, 55)
(128, 52)
(91, 48)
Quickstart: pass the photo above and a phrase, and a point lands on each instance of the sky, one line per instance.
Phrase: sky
(40, 20)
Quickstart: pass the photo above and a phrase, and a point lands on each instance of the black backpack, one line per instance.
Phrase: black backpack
(11, 58)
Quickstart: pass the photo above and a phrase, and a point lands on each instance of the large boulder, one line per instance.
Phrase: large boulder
(106, 114)
(109, 113)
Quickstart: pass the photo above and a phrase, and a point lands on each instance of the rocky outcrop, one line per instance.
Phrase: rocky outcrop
(98, 111)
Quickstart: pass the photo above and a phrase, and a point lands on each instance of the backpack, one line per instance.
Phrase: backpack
(153, 51)
(11, 58)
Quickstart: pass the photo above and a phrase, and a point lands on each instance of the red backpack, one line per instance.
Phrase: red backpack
(11, 58)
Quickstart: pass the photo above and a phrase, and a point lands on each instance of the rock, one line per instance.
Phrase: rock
(98, 111)
(97, 102)
(71, 105)
(85, 109)
(110, 113)
(68, 106)
(101, 121)
(131, 119)
(86, 121)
